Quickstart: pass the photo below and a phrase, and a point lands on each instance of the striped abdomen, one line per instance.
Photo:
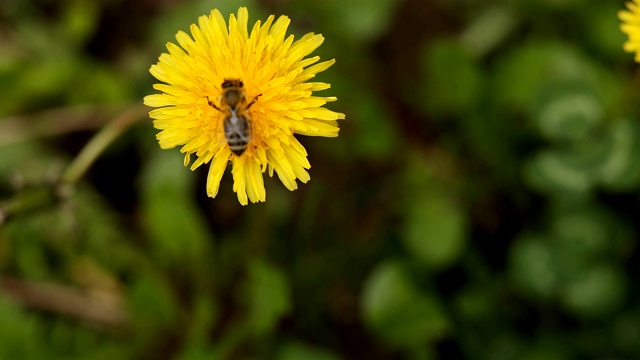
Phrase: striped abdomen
(237, 131)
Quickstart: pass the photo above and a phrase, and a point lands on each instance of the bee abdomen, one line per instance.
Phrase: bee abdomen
(237, 145)
(237, 132)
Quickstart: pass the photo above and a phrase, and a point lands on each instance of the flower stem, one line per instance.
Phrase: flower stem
(100, 142)
(36, 198)
(26, 201)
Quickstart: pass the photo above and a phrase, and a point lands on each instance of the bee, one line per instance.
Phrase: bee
(236, 123)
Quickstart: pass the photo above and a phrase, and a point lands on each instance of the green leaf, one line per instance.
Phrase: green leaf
(489, 29)
(204, 313)
(97, 83)
(79, 21)
(531, 267)
(375, 137)
(358, 21)
(582, 231)
(199, 352)
(547, 349)
(562, 173)
(178, 233)
(626, 331)
(453, 80)
(476, 302)
(603, 28)
(530, 71)
(569, 115)
(268, 296)
(365, 19)
(103, 234)
(620, 169)
(21, 335)
(435, 226)
(503, 346)
(396, 311)
(435, 230)
(301, 351)
(597, 293)
(153, 305)
(421, 352)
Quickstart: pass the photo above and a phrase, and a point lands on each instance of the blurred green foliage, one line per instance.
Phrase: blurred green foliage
(480, 202)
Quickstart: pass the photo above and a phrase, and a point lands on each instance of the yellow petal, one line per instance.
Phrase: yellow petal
(216, 170)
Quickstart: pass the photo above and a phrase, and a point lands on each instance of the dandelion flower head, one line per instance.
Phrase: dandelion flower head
(275, 71)
(631, 27)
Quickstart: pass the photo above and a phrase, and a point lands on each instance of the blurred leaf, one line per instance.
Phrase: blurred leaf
(28, 163)
(453, 81)
(626, 332)
(547, 349)
(79, 21)
(569, 114)
(361, 21)
(30, 255)
(39, 37)
(47, 77)
(603, 30)
(179, 237)
(153, 305)
(96, 83)
(597, 293)
(504, 346)
(396, 311)
(197, 336)
(301, 351)
(591, 339)
(70, 340)
(110, 351)
(80, 226)
(620, 170)
(358, 22)
(435, 226)
(204, 315)
(100, 233)
(489, 29)
(568, 264)
(581, 233)
(375, 137)
(529, 71)
(200, 352)
(476, 302)
(493, 140)
(37, 235)
(588, 231)
(531, 267)
(435, 230)
(21, 336)
(268, 295)
(421, 353)
(562, 4)
(562, 173)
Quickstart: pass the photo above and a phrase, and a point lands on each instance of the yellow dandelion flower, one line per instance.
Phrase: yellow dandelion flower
(631, 26)
(249, 122)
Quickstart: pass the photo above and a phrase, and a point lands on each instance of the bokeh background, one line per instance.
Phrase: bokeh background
(481, 201)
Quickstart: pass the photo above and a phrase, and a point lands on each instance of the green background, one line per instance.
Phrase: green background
(481, 201)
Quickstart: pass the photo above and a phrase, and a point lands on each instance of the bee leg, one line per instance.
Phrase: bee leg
(253, 101)
(213, 105)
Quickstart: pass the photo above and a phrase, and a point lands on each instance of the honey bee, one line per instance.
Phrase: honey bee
(236, 123)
